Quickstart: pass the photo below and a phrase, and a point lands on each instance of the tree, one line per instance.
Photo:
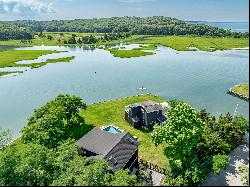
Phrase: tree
(40, 35)
(79, 171)
(123, 178)
(219, 162)
(13, 32)
(50, 37)
(5, 137)
(56, 121)
(72, 40)
(36, 165)
(174, 103)
(116, 27)
(181, 132)
(25, 165)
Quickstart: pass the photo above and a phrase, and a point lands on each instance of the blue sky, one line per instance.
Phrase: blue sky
(205, 10)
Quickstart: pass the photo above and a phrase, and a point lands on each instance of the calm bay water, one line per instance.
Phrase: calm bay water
(234, 26)
(199, 78)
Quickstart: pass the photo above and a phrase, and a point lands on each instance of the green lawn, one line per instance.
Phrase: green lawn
(112, 112)
(242, 89)
(182, 43)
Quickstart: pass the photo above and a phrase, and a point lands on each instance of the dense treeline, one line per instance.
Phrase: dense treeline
(201, 144)
(93, 39)
(157, 25)
(46, 153)
(12, 32)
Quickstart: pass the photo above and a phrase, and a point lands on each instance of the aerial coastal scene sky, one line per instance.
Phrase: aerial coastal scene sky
(189, 10)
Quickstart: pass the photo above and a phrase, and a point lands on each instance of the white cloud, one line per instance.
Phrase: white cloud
(25, 7)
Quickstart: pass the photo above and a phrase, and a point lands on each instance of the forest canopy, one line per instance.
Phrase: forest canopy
(13, 32)
(157, 25)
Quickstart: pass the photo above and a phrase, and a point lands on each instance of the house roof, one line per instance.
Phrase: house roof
(99, 141)
(123, 152)
(153, 108)
(108, 145)
(149, 106)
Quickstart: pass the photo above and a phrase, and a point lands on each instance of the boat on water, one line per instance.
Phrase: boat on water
(142, 88)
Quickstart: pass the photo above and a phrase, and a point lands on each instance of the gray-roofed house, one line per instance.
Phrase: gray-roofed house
(120, 150)
(146, 114)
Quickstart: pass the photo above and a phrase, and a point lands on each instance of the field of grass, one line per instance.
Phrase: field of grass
(182, 43)
(112, 112)
(242, 89)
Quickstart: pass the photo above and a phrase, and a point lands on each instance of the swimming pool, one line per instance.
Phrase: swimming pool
(112, 129)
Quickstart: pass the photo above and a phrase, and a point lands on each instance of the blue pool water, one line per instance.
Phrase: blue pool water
(112, 129)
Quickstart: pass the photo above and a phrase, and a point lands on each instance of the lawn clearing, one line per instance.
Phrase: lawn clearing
(112, 112)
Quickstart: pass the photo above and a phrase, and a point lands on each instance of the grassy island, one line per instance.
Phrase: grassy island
(112, 112)
(129, 53)
(50, 61)
(7, 73)
(241, 91)
(10, 59)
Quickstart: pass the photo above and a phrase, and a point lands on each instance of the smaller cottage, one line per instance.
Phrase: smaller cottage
(146, 114)
(118, 148)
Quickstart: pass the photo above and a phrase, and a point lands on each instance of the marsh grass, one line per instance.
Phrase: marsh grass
(10, 59)
(128, 53)
(183, 43)
(242, 89)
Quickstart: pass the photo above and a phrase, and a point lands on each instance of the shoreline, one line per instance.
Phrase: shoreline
(241, 48)
(235, 94)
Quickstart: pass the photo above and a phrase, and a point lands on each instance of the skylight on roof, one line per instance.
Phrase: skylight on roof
(113, 160)
(131, 140)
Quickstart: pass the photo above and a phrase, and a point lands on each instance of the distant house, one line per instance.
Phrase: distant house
(118, 148)
(146, 114)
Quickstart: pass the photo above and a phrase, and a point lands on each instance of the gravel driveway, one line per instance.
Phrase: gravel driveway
(230, 176)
